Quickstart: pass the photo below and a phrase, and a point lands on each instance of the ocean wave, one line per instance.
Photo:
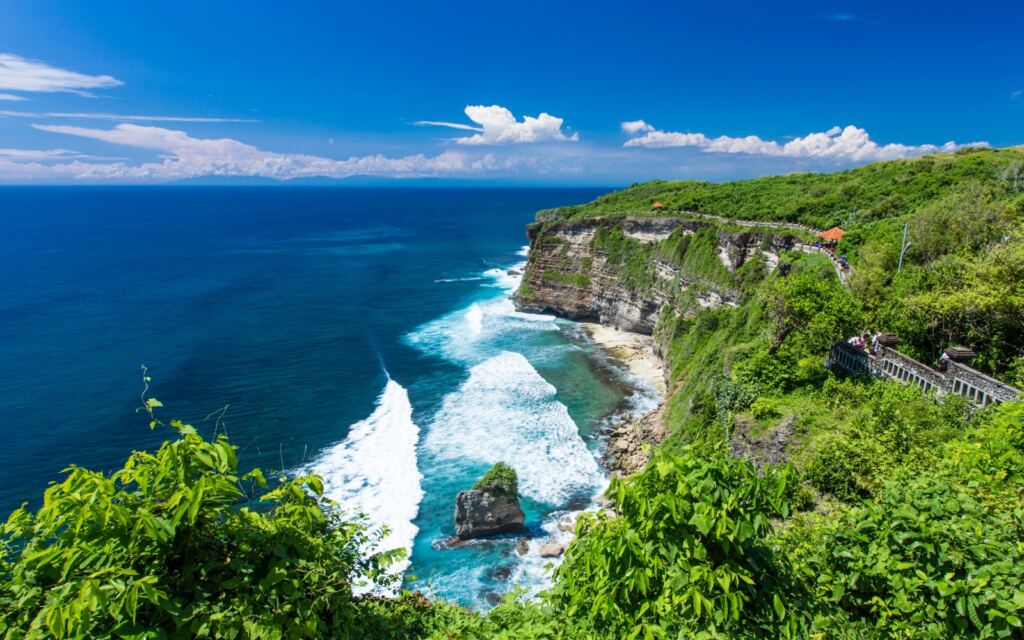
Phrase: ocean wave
(483, 329)
(374, 471)
(474, 333)
(467, 279)
(505, 411)
(507, 278)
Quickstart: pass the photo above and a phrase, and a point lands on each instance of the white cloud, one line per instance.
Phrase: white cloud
(21, 74)
(844, 17)
(634, 127)
(849, 144)
(116, 117)
(451, 125)
(188, 157)
(11, 97)
(497, 125)
(38, 155)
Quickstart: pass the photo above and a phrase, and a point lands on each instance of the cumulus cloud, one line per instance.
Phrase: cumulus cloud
(22, 74)
(187, 157)
(497, 125)
(849, 144)
(114, 116)
(634, 127)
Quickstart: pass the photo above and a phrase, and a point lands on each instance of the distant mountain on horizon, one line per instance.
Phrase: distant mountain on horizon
(367, 181)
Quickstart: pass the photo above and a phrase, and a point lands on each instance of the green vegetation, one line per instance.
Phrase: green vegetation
(962, 279)
(500, 478)
(846, 198)
(178, 544)
(578, 280)
(785, 503)
(694, 254)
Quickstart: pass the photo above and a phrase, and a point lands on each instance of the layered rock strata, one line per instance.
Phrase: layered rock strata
(570, 275)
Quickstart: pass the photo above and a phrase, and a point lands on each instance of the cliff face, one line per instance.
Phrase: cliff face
(623, 271)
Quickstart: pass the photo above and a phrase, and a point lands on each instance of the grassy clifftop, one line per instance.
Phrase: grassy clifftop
(873, 192)
(961, 277)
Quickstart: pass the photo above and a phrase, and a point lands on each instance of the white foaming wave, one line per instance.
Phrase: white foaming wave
(468, 335)
(524, 251)
(505, 411)
(475, 319)
(373, 470)
(467, 279)
(505, 280)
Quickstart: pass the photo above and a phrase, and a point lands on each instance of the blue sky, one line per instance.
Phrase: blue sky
(553, 93)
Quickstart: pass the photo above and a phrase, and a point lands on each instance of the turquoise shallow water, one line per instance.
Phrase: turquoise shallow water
(365, 333)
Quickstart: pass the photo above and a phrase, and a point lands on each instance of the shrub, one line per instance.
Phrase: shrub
(686, 552)
(500, 478)
(927, 560)
(765, 408)
(838, 465)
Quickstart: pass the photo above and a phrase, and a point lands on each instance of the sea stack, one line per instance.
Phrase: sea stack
(491, 506)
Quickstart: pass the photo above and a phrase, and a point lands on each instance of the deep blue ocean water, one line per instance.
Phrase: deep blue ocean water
(365, 334)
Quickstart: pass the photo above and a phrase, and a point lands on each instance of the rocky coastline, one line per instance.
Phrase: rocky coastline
(631, 439)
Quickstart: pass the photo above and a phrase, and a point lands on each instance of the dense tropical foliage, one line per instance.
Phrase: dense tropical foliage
(500, 478)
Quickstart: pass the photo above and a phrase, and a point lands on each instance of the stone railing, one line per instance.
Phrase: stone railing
(959, 379)
(851, 359)
(978, 387)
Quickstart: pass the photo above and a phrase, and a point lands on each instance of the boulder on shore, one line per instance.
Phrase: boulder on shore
(491, 506)
(551, 550)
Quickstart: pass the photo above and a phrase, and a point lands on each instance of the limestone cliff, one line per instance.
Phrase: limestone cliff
(623, 271)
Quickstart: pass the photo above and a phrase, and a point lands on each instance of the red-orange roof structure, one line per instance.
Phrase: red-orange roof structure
(658, 204)
(835, 233)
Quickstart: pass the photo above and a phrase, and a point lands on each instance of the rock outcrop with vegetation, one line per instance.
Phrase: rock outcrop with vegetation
(491, 506)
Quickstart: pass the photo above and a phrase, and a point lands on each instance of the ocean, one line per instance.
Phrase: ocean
(366, 334)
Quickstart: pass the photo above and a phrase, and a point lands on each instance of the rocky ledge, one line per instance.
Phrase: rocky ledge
(629, 445)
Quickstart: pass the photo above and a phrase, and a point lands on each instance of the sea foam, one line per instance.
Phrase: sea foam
(505, 411)
(483, 329)
(373, 470)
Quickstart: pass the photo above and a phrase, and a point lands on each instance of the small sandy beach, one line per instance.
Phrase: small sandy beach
(634, 349)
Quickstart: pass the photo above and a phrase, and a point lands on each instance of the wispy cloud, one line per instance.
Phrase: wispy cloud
(844, 17)
(1017, 95)
(849, 144)
(450, 125)
(116, 117)
(21, 74)
(11, 97)
(44, 155)
(497, 125)
(189, 157)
